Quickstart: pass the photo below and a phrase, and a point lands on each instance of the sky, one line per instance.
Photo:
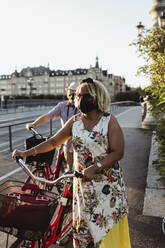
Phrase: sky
(69, 34)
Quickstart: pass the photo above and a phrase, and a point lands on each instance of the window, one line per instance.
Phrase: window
(59, 91)
(60, 84)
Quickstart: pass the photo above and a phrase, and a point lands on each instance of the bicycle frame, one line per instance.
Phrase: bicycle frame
(53, 227)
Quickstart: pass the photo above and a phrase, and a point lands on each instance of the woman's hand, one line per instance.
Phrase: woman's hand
(89, 173)
(19, 153)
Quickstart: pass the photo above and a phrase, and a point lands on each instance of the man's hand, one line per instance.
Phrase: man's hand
(30, 125)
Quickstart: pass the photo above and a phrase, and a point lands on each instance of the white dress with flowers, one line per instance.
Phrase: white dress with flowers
(100, 203)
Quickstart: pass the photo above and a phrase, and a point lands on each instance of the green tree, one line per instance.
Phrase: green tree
(151, 47)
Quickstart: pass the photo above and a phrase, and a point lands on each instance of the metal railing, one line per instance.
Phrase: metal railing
(9, 127)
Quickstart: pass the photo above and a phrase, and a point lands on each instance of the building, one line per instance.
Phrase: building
(43, 81)
(156, 11)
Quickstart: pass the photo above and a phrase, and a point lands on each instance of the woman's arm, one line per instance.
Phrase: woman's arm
(116, 143)
(56, 140)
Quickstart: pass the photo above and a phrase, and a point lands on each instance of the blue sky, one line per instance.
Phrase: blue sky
(69, 34)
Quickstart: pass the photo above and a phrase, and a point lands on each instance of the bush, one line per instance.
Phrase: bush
(128, 96)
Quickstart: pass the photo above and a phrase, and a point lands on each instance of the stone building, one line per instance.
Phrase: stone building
(156, 11)
(43, 81)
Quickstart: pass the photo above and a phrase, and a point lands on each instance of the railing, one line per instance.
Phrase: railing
(17, 124)
(114, 107)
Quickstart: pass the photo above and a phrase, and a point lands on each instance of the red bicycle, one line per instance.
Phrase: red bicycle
(38, 218)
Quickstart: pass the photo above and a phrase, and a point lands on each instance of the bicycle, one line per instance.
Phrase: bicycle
(42, 162)
(53, 210)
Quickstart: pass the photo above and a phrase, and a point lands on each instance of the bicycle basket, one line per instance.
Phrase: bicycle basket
(46, 157)
(25, 214)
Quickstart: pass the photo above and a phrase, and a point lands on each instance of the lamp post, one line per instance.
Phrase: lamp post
(140, 27)
(148, 121)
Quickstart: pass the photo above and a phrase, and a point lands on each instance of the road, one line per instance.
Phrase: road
(145, 231)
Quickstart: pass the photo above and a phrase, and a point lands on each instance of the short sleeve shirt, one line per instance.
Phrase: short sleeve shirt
(65, 111)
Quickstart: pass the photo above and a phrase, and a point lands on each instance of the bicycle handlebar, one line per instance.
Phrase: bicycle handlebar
(24, 166)
(34, 132)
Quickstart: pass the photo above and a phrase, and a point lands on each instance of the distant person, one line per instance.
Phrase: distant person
(141, 99)
(64, 110)
(143, 107)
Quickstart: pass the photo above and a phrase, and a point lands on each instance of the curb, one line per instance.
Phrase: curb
(154, 200)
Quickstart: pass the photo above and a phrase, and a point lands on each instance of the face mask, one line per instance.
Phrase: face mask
(85, 105)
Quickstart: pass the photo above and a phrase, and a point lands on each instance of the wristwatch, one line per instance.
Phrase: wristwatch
(99, 164)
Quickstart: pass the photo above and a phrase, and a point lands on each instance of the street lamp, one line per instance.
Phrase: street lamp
(162, 20)
(148, 122)
(140, 28)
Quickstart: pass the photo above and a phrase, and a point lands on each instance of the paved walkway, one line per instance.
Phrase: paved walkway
(154, 202)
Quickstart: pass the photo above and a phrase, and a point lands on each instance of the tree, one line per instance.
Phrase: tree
(151, 46)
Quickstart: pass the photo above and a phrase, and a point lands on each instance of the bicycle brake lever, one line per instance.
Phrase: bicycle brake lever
(78, 174)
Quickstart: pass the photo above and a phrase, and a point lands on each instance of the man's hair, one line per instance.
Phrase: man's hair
(99, 93)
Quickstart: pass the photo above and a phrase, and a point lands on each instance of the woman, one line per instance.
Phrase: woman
(99, 201)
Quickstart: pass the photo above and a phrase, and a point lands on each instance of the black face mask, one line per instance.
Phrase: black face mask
(85, 105)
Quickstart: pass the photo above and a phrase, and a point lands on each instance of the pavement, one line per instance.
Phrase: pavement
(130, 121)
(154, 200)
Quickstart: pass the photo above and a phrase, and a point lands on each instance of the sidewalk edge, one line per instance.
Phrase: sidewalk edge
(154, 200)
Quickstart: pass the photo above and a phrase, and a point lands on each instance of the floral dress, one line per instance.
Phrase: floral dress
(100, 203)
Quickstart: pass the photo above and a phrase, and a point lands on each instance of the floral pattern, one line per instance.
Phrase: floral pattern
(100, 203)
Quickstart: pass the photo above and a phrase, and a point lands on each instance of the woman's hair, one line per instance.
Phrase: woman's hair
(99, 93)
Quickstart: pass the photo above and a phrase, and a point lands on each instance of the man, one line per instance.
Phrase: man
(64, 110)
